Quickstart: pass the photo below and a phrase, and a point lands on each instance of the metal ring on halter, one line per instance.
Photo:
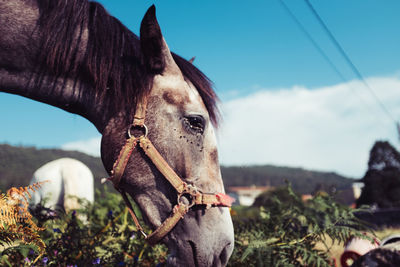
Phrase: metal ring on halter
(189, 193)
(143, 128)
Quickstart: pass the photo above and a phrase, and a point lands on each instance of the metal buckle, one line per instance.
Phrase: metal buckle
(188, 195)
(141, 128)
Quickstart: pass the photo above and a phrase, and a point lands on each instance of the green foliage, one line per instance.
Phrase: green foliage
(284, 230)
(99, 234)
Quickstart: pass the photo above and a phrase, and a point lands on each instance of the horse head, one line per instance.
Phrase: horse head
(75, 56)
(181, 128)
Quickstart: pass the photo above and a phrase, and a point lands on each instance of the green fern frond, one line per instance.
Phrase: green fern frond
(286, 230)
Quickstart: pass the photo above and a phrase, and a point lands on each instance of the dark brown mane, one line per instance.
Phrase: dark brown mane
(112, 63)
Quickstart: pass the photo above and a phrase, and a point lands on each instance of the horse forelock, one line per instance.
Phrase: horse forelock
(203, 85)
(112, 60)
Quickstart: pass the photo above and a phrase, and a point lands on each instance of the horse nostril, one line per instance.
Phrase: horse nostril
(225, 254)
(194, 252)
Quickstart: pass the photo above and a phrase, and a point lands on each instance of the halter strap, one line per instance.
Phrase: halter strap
(186, 192)
(140, 113)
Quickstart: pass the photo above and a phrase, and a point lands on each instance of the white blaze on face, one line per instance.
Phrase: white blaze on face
(193, 95)
(212, 137)
(181, 98)
(184, 92)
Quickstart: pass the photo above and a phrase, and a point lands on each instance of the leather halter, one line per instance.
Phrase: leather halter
(188, 195)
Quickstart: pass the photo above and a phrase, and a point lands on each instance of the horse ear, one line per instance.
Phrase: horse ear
(155, 50)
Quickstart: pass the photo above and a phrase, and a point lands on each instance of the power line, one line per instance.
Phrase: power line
(309, 37)
(319, 49)
(348, 60)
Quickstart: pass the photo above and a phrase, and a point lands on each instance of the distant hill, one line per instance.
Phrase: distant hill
(17, 165)
(303, 181)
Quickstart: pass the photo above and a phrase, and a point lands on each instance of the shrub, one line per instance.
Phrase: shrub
(282, 231)
(285, 233)
(99, 234)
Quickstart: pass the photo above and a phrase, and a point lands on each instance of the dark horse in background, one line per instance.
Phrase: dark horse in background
(73, 55)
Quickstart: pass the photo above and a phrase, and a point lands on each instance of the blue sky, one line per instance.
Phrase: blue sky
(255, 50)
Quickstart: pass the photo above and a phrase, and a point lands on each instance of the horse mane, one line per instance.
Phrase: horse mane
(112, 61)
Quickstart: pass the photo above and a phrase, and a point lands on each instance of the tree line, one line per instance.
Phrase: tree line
(18, 163)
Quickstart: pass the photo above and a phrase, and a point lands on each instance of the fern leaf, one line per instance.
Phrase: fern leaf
(16, 221)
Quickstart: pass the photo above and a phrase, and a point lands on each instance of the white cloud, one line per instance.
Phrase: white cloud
(330, 128)
(89, 146)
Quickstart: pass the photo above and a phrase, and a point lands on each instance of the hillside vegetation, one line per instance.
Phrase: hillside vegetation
(17, 164)
(302, 181)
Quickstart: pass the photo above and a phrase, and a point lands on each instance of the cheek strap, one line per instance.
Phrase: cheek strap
(187, 195)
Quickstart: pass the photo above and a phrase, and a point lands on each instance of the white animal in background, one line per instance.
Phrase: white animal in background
(68, 179)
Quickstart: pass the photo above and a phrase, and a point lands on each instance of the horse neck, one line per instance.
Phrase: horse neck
(71, 95)
(22, 72)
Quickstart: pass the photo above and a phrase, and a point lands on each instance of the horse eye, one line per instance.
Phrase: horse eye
(195, 124)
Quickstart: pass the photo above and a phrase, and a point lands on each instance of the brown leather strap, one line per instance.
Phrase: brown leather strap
(161, 164)
(190, 192)
(123, 157)
(140, 113)
(117, 172)
(177, 213)
(181, 187)
(219, 199)
(132, 212)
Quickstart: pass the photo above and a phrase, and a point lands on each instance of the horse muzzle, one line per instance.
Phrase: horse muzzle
(202, 238)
